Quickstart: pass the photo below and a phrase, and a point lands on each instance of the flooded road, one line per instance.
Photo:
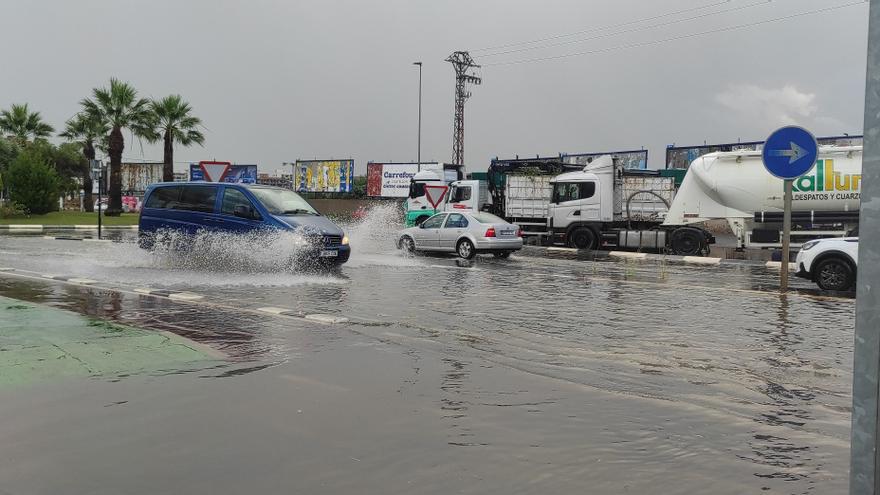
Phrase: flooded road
(530, 375)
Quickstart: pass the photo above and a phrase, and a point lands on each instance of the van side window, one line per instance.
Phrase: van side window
(197, 198)
(163, 197)
(231, 199)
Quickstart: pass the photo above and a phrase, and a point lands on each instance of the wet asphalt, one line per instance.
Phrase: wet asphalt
(538, 374)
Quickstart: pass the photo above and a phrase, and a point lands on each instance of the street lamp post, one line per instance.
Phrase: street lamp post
(419, 156)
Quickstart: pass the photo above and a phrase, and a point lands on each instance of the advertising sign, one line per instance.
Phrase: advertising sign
(222, 172)
(391, 180)
(680, 157)
(137, 176)
(635, 160)
(324, 175)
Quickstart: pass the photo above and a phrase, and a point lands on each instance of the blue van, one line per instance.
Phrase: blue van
(191, 207)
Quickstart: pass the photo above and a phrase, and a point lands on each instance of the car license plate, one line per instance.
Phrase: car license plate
(329, 253)
(507, 232)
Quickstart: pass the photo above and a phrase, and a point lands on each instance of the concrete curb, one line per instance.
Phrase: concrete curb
(66, 227)
(667, 258)
(83, 239)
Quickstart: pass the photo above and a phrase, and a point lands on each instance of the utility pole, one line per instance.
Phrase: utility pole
(462, 63)
(864, 471)
(419, 156)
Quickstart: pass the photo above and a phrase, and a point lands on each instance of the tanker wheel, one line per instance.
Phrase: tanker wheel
(421, 219)
(582, 238)
(687, 242)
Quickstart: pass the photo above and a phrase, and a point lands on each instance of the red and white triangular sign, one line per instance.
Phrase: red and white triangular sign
(214, 171)
(435, 194)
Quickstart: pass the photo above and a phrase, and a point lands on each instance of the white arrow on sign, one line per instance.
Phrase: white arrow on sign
(794, 154)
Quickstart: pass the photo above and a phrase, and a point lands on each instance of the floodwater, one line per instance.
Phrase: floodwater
(530, 375)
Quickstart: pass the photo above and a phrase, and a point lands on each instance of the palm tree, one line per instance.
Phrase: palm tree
(118, 107)
(87, 131)
(23, 124)
(175, 124)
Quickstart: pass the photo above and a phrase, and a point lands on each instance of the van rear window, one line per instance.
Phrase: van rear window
(163, 197)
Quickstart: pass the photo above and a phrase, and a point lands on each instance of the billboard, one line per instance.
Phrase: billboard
(391, 180)
(137, 176)
(635, 160)
(222, 172)
(680, 157)
(323, 175)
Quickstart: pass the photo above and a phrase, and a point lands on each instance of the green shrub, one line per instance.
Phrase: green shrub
(33, 182)
(12, 209)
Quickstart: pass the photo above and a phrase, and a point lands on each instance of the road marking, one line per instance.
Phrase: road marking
(627, 254)
(6, 269)
(49, 237)
(185, 296)
(96, 240)
(82, 281)
(144, 290)
(85, 227)
(700, 260)
(778, 265)
(275, 311)
(25, 227)
(326, 318)
(563, 249)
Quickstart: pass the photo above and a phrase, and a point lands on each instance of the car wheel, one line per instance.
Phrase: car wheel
(465, 249)
(502, 255)
(407, 244)
(582, 238)
(834, 274)
(687, 242)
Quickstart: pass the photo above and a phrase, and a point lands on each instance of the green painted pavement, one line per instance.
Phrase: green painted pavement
(41, 343)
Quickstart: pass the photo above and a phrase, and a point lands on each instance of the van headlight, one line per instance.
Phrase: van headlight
(808, 245)
(345, 240)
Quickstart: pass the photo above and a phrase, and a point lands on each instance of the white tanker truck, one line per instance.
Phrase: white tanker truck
(603, 207)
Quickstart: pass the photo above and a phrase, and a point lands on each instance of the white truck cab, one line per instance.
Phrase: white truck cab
(468, 195)
(418, 208)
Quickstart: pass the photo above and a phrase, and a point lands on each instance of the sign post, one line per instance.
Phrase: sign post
(864, 471)
(98, 172)
(789, 153)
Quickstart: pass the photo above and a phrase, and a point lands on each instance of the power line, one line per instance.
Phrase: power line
(682, 37)
(603, 28)
(632, 30)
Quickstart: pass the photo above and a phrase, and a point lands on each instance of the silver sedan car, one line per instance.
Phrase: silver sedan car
(463, 233)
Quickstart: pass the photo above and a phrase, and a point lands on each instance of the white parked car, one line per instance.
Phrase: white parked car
(831, 263)
(463, 233)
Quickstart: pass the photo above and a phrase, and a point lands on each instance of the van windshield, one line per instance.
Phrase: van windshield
(282, 201)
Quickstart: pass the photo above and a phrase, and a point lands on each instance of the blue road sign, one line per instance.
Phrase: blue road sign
(790, 152)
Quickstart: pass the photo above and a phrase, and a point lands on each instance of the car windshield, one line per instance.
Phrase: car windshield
(283, 202)
(484, 217)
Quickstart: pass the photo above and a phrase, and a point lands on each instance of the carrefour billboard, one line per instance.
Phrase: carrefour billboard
(323, 175)
(391, 180)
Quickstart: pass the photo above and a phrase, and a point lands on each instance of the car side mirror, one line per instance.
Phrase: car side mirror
(422, 225)
(244, 211)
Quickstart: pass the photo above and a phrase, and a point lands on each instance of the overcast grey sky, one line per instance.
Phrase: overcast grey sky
(275, 81)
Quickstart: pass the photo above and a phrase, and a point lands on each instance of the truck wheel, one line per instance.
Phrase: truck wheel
(421, 219)
(687, 242)
(465, 249)
(834, 274)
(582, 238)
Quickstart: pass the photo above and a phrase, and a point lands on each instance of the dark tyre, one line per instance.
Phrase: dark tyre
(834, 274)
(421, 219)
(407, 244)
(582, 238)
(465, 249)
(502, 255)
(687, 242)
